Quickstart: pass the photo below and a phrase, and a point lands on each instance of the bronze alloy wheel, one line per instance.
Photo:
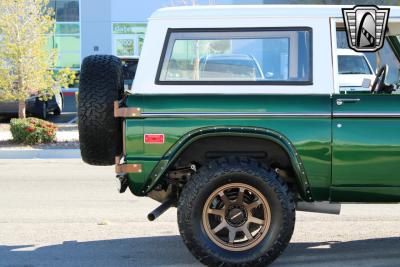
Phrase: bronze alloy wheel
(236, 217)
(236, 212)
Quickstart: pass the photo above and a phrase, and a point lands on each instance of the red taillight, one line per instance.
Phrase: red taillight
(154, 138)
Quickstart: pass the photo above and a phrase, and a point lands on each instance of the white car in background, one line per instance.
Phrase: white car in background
(354, 68)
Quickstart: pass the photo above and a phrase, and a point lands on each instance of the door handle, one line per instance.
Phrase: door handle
(342, 101)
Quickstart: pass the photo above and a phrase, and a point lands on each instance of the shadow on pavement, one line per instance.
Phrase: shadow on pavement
(146, 251)
(369, 252)
(170, 251)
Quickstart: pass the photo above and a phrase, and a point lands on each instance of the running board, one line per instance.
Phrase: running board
(319, 207)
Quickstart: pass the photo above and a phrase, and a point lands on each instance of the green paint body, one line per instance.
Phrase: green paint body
(357, 162)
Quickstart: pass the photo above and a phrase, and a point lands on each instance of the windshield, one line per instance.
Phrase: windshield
(353, 65)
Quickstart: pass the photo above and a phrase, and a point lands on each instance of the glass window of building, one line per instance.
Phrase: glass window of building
(66, 10)
(128, 39)
(67, 37)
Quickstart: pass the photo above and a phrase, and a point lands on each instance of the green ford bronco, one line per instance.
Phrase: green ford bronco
(237, 118)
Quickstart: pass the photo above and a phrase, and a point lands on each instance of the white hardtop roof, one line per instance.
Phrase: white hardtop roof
(252, 11)
(347, 52)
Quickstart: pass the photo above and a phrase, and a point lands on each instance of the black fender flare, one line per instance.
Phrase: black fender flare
(251, 132)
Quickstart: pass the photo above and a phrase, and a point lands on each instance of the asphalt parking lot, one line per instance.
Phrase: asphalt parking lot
(66, 213)
(69, 111)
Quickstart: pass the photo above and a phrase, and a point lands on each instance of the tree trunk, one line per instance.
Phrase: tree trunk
(21, 109)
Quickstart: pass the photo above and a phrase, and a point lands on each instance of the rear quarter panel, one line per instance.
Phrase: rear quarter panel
(309, 130)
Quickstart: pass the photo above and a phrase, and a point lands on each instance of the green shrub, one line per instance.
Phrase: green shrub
(31, 131)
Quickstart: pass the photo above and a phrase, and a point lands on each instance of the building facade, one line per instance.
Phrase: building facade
(117, 27)
(87, 27)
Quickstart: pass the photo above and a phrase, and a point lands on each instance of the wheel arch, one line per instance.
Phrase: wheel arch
(184, 143)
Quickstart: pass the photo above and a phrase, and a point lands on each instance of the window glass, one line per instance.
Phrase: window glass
(66, 37)
(67, 28)
(125, 47)
(66, 10)
(353, 65)
(128, 39)
(385, 56)
(129, 28)
(69, 60)
(247, 56)
(67, 42)
(68, 48)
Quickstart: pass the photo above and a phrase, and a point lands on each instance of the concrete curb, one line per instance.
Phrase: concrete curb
(61, 136)
(40, 154)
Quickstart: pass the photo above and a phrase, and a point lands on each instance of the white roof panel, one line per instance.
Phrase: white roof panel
(252, 11)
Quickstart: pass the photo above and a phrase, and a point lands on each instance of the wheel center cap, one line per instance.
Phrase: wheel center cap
(236, 216)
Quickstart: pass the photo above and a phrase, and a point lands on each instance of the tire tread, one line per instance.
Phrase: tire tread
(221, 167)
(99, 132)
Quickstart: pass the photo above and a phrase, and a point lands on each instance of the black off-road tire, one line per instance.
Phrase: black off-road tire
(101, 83)
(233, 170)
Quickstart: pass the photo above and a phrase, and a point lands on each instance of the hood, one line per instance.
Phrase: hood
(354, 79)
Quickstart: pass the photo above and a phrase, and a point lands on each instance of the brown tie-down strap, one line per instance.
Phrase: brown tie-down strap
(125, 112)
(127, 168)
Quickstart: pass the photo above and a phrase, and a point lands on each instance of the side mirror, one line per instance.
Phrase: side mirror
(366, 83)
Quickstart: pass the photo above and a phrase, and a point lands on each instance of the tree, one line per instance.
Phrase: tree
(25, 60)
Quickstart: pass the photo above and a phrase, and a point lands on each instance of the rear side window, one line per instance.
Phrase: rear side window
(237, 56)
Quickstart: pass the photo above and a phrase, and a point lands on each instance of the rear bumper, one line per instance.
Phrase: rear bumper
(139, 181)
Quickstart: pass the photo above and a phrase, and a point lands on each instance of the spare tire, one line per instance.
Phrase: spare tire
(100, 133)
